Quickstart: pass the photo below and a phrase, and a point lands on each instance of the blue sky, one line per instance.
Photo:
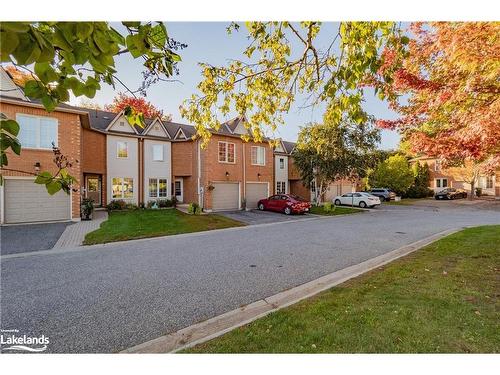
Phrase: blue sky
(209, 42)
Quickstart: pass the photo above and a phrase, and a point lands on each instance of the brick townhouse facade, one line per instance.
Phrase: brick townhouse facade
(440, 178)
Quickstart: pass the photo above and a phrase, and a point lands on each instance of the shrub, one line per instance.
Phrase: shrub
(194, 208)
(328, 207)
(418, 192)
(479, 192)
(87, 207)
(131, 206)
(174, 202)
(116, 204)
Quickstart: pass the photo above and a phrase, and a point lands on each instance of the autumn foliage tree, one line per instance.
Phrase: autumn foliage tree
(139, 104)
(447, 92)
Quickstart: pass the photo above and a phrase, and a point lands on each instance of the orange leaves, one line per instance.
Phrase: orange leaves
(140, 105)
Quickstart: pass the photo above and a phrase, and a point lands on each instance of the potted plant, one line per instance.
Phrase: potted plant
(87, 208)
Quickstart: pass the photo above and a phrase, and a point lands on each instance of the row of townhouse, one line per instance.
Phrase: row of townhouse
(440, 178)
(117, 161)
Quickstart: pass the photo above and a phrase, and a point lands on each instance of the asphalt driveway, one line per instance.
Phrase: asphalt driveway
(261, 217)
(107, 298)
(16, 239)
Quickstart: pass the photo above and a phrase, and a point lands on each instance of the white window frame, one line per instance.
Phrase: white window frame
(437, 165)
(158, 145)
(122, 182)
(282, 163)
(280, 187)
(226, 154)
(38, 132)
(158, 187)
(489, 179)
(118, 149)
(441, 183)
(263, 154)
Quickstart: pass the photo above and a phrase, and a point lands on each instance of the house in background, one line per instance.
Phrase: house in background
(440, 178)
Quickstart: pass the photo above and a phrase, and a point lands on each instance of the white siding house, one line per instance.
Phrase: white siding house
(122, 168)
(157, 169)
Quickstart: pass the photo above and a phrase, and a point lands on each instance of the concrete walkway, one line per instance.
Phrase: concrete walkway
(74, 234)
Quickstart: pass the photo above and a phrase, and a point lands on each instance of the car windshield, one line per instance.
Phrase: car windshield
(297, 198)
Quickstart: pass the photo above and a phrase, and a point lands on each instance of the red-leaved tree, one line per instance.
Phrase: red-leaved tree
(447, 92)
(141, 105)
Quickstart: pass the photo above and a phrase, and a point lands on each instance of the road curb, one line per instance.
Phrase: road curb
(219, 325)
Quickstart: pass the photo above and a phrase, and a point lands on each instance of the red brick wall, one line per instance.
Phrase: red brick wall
(297, 188)
(183, 158)
(293, 172)
(94, 156)
(69, 142)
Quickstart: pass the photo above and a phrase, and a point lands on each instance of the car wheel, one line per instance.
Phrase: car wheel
(261, 206)
(382, 199)
(362, 204)
(337, 202)
(288, 210)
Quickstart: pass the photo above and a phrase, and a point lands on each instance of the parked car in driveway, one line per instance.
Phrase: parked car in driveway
(286, 203)
(451, 193)
(359, 199)
(383, 193)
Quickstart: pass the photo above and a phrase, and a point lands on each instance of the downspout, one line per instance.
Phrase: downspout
(141, 170)
(244, 177)
(201, 200)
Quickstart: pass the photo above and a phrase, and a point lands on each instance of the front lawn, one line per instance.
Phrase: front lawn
(129, 225)
(440, 299)
(318, 210)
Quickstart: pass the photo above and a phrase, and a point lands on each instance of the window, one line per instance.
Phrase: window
(122, 187)
(157, 152)
(258, 155)
(282, 163)
(157, 187)
(121, 150)
(313, 186)
(437, 165)
(441, 182)
(489, 182)
(280, 187)
(226, 152)
(37, 132)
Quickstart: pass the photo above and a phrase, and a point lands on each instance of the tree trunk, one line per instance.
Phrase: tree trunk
(472, 188)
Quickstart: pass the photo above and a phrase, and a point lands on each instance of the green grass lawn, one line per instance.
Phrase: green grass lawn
(440, 299)
(318, 210)
(128, 225)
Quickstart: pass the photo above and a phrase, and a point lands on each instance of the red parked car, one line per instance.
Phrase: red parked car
(287, 203)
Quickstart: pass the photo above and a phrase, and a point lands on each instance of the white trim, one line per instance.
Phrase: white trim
(2, 202)
(22, 103)
(157, 187)
(117, 154)
(441, 183)
(120, 114)
(38, 130)
(148, 128)
(177, 134)
(226, 162)
(181, 180)
(257, 156)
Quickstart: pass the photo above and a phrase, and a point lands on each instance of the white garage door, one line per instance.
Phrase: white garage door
(25, 201)
(255, 192)
(225, 196)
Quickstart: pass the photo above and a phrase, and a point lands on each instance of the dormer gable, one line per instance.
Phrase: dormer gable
(157, 129)
(121, 124)
(180, 134)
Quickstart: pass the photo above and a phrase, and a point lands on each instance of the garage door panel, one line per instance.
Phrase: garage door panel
(25, 201)
(255, 192)
(225, 196)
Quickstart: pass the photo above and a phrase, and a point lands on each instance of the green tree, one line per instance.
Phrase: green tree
(420, 186)
(329, 151)
(77, 57)
(263, 84)
(393, 173)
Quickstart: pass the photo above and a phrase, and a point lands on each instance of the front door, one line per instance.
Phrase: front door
(93, 188)
(178, 188)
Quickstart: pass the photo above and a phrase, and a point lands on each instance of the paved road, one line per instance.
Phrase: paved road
(108, 298)
(33, 237)
(261, 217)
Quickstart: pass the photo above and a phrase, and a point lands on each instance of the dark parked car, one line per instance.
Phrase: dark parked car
(383, 193)
(451, 193)
(287, 203)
